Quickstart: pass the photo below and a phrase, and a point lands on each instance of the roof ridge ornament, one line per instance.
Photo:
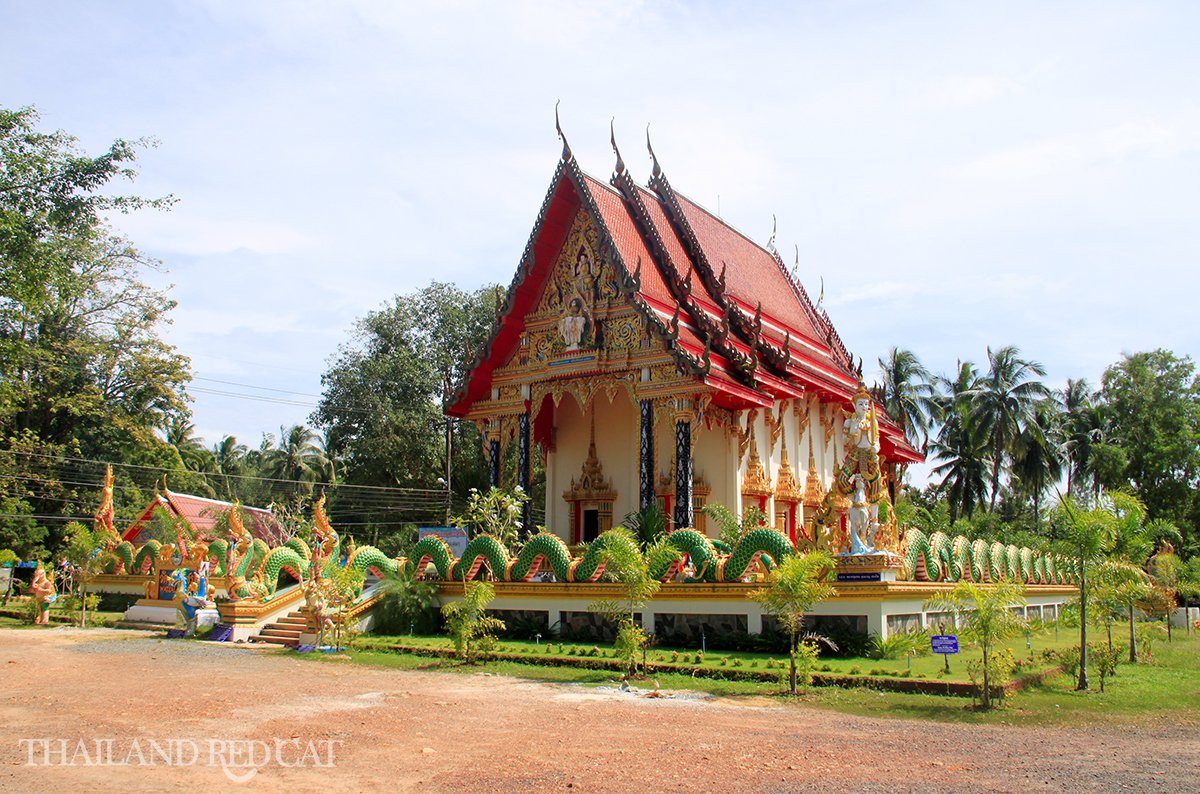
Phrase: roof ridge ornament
(619, 169)
(566, 152)
(774, 229)
(796, 265)
(657, 171)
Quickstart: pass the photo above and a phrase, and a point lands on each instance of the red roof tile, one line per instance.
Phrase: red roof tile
(202, 515)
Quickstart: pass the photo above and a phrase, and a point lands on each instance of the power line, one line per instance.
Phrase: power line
(252, 386)
(306, 483)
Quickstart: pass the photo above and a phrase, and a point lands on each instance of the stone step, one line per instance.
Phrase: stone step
(278, 640)
(272, 631)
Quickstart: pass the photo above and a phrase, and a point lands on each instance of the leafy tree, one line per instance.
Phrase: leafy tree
(1153, 402)
(985, 612)
(467, 621)
(407, 603)
(1083, 427)
(85, 553)
(83, 370)
(297, 456)
(792, 589)
(382, 400)
(1092, 533)
(1003, 402)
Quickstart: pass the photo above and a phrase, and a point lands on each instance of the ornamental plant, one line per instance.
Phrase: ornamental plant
(469, 625)
(497, 513)
(984, 611)
(793, 588)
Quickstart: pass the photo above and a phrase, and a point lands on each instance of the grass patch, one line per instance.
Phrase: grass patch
(1167, 688)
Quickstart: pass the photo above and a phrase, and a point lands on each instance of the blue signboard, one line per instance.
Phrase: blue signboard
(858, 577)
(944, 643)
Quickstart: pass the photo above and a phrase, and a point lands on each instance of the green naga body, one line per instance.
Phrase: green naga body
(937, 558)
(541, 549)
(483, 550)
(767, 545)
(700, 550)
(432, 549)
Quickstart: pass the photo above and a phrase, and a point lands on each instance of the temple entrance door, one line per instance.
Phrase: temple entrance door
(591, 525)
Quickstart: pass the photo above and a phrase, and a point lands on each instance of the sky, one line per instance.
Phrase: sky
(957, 174)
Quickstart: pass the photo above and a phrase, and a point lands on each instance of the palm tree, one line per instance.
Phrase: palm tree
(181, 435)
(1091, 534)
(1003, 402)
(296, 456)
(986, 613)
(793, 588)
(1037, 459)
(1083, 425)
(229, 460)
(959, 445)
(908, 394)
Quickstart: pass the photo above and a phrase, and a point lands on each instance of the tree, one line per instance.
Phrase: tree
(794, 586)
(85, 552)
(297, 456)
(730, 527)
(497, 513)
(382, 398)
(1083, 426)
(985, 611)
(1153, 403)
(1003, 402)
(83, 370)
(960, 445)
(1037, 455)
(1091, 533)
(908, 394)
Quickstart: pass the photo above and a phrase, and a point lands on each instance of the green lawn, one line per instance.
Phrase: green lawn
(1166, 688)
(925, 666)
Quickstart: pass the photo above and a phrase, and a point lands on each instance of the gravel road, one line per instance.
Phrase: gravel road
(85, 707)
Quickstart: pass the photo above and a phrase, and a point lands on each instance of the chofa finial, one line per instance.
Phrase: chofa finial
(657, 170)
(566, 152)
(612, 133)
(774, 228)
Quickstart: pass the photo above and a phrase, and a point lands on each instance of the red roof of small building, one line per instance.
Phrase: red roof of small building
(735, 304)
(202, 514)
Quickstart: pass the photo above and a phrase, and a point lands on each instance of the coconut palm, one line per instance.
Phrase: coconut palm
(181, 435)
(1083, 428)
(296, 456)
(959, 445)
(908, 394)
(1037, 457)
(1003, 402)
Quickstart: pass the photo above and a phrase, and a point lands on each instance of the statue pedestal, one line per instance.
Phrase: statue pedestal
(879, 566)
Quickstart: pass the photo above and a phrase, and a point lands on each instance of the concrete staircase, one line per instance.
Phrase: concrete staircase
(285, 631)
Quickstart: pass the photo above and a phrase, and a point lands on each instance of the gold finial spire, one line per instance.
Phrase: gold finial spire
(566, 152)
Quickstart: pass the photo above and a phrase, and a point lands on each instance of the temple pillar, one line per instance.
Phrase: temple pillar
(523, 473)
(494, 453)
(646, 456)
(684, 414)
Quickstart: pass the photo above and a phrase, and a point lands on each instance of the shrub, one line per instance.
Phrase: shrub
(855, 670)
(1068, 660)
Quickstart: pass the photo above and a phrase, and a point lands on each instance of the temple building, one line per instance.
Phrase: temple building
(650, 352)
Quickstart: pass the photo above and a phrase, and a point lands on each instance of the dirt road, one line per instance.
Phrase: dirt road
(109, 710)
